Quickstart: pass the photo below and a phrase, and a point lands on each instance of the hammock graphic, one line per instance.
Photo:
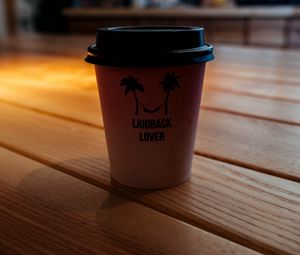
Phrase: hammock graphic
(145, 109)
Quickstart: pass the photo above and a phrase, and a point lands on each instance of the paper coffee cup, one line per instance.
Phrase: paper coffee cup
(150, 83)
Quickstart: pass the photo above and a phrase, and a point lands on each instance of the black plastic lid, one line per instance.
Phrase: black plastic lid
(149, 46)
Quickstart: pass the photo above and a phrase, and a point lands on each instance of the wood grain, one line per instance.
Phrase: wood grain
(258, 74)
(260, 64)
(264, 108)
(255, 56)
(54, 101)
(256, 210)
(257, 144)
(62, 86)
(275, 70)
(46, 44)
(44, 211)
(253, 87)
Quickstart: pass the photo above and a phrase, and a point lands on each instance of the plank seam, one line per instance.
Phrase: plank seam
(249, 94)
(249, 166)
(209, 108)
(280, 82)
(63, 117)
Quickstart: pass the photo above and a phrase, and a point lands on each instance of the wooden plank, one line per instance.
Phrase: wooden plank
(253, 87)
(264, 108)
(265, 146)
(288, 58)
(47, 44)
(275, 69)
(53, 100)
(44, 211)
(21, 77)
(257, 210)
(36, 69)
(243, 61)
(278, 75)
(276, 72)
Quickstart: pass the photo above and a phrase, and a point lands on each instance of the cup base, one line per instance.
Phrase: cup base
(149, 186)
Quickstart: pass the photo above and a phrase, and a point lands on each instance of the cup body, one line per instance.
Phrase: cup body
(150, 118)
(150, 82)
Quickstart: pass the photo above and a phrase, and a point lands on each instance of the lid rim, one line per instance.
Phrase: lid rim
(205, 48)
(163, 28)
(148, 64)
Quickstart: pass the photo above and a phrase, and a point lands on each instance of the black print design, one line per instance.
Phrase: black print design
(169, 83)
(132, 84)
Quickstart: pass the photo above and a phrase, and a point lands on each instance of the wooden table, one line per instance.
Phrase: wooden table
(56, 195)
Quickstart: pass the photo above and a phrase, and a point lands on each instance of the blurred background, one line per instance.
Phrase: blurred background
(267, 23)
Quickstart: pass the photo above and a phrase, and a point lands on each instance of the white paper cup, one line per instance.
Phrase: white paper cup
(150, 99)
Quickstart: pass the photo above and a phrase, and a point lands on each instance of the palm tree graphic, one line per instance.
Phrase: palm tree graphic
(169, 83)
(132, 84)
